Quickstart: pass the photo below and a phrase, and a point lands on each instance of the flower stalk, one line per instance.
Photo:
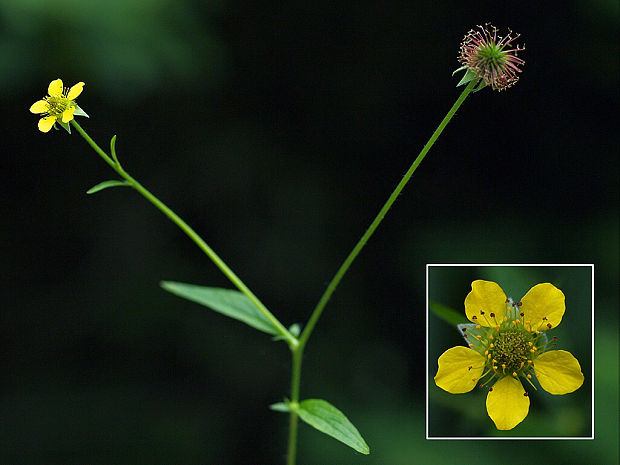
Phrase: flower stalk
(202, 245)
(297, 351)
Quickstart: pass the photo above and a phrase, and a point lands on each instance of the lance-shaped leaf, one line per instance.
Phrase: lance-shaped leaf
(105, 185)
(447, 314)
(323, 416)
(231, 303)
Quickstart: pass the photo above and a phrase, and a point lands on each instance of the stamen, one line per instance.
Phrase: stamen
(527, 377)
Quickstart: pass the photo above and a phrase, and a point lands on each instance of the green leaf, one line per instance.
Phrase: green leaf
(468, 76)
(113, 149)
(105, 185)
(294, 329)
(79, 112)
(65, 126)
(447, 314)
(280, 407)
(231, 303)
(323, 416)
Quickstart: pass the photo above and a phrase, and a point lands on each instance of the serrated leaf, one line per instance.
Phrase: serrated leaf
(447, 314)
(326, 418)
(233, 304)
(105, 185)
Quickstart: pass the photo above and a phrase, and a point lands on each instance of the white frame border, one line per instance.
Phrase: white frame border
(591, 265)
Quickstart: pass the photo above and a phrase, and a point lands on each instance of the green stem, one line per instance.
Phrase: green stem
(373, 226)
(291, 454)
(202, 245)
(297, 351)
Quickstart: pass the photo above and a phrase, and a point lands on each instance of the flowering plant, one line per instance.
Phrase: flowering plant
(486, 60)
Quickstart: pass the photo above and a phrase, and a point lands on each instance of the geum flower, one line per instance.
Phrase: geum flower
(507, 343)
(59, 105)
(490, 58)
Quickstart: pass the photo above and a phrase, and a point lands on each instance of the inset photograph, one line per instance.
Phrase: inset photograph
(510, 351)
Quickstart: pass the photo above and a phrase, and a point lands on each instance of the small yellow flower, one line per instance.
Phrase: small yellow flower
(59, 105)
(518, 350)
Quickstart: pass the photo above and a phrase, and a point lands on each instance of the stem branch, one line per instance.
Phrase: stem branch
(297, 351)
(202, 245)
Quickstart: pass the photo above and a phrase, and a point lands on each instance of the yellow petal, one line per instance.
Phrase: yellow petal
(55, 88)
(558, 372)
(506, 403)
(67, 115)
(486, 297)
(75, 91)
(543, 305)
(459, 370)
(45, 124)
(40, 106)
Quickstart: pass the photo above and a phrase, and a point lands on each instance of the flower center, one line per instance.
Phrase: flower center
(56, 104)
(509, 345)
(510, 351)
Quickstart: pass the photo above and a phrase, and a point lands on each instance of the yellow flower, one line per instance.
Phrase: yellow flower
(507, 342)
(59, 105)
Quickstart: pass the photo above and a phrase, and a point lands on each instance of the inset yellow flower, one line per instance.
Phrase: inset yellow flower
(59, 105)
(507, 342)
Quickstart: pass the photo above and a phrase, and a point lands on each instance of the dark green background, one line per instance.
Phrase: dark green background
(277, 129)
